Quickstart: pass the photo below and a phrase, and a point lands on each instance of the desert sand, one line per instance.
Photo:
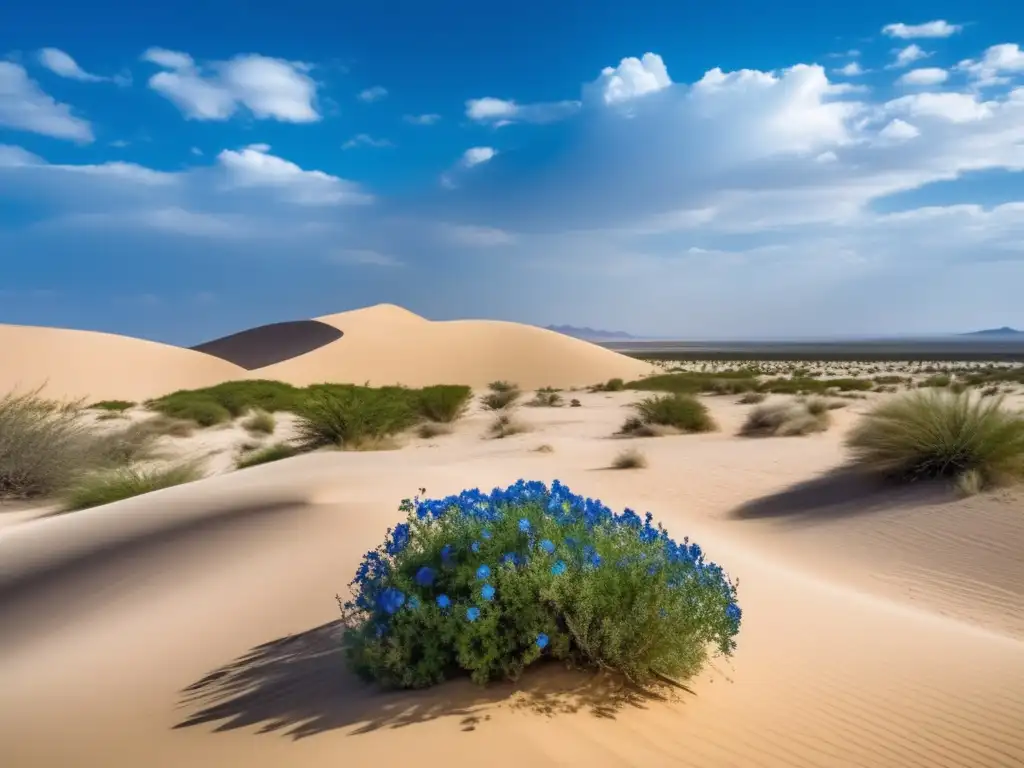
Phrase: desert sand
(193, 626)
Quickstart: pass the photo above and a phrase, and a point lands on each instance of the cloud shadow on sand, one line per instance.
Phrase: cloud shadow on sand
(840, 493)
(299, 686)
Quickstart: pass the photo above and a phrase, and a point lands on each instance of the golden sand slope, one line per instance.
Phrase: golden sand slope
(386, 344)
(101, 366)
(187, 628)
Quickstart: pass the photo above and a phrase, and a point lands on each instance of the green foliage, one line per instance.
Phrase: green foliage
(486, 586)
(938, 380)
(265, 455)
(941, 434)
(109, 486)
(443, 403)
(112, 405)
(349, 417)
(545, 398)
(677, 411)
(260, 422)
(498, 399)
(223, 402)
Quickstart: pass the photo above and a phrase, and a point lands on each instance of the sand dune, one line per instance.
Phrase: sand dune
(383, 345)
(193, 627)
(101, 366)
(389, 345)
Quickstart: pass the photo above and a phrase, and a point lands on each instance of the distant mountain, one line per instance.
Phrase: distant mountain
(589, 334)
(1004, 331)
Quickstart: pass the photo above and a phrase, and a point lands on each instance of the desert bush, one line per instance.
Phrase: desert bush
(941, 434)
(612, 385)
(499, 399)
(229, 400)
(112, 405)
(260, 422)
(265, 455)
(506, 424)
(348, 417)
(681, 412)
(787, 419)
(574, 403)
(43, 445)
(443, 403)
(939, 380)
(630, 458)
(487, 585)
(752, 398)
(106, 487)
(430, 429)
(546, 398)
(502, 386)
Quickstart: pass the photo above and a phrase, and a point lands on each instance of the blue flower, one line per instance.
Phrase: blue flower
(548, 546)
(486, 534)
(399, 539)
(524, 525)
(390, 600)
(509, 558)
(412, 603)
(472, 613)
(558, 568)
(446, 553)
(425, 576)
(475, 546)
(443, 601)
(487, 592)
(542, 641)
(483, 572)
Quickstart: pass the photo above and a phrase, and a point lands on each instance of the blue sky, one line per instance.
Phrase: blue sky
(179, 172)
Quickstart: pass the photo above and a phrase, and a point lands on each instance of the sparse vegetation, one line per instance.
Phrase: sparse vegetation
(942, 434)
(752, 398)
(502, 395)
(265, 455)
(260, 422)
(787, 419)
(106, 487)
(630, 458)
(674, 412)
(506, 424)
(574, 403)
(112, 405)
(443, 403)
(430, 429)
(546, 398)
(351, 417)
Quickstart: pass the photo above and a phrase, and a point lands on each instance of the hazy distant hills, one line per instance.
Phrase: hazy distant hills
(590, 334)
(997, 332)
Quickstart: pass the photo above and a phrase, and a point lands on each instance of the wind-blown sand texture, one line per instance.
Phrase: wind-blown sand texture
(383, 344)
(192, 627)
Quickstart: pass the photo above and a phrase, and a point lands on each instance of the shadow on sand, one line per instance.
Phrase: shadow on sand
(842, 492)
(299, 685)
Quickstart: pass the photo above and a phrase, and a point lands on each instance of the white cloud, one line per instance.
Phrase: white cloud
(476, 155)
(254, 167)
(924, 76)
(938, 28)
(851, 70)
(631, 79)
(502, 112)
(25, 107)
(269, 88)
(998, 62)
(365, 140)
(908, 55)
(376, 93)
(363, 257)
(425, 119)
(899, 130)
(61, 63)
(952, 107)
(14, 157)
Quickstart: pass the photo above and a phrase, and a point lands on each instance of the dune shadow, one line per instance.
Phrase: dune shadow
(299, 686)
(269, 344)
(842, 492)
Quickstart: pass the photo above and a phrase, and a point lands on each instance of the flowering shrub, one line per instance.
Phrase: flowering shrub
(487, 584)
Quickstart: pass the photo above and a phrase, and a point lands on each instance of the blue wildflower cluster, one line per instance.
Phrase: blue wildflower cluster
(487, 584)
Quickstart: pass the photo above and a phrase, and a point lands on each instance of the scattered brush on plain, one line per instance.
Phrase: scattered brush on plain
(787, 419)
(106, 487)
(502, 395)
(506, 424)
(260, 422)
(929, 434)
(668, 414)
(546, 398)
(630, 458)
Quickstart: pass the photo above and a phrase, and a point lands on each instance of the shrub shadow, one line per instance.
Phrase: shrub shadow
(843, 492)
(299, 686)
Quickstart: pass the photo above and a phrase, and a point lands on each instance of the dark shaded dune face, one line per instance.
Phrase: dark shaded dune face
(269, 344)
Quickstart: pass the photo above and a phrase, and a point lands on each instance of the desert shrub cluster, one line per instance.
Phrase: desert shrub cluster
(666, 414)
(787, 418)
(486, 585)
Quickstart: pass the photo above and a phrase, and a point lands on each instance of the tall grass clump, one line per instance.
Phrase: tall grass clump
(265, 455)
(352, 417)
(260, 422)
(486, 585)
(674, 412)
(115, 406)
(932, 433)
(109, 486)
(787, 419)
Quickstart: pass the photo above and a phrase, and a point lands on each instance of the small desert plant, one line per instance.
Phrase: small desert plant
(679, 412)
(506, 424)
(124, 483)
(752, 398)
(260, 422)
(274, 452)
(498, 399)
(574, 403)
(349, 417)
(544, 448)
(941, 434)
(443, 403)
(502, 386)
(433, 429)
(630, 458)
(112, 405)
(787, 419)
(488, 585)
(546, 398)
